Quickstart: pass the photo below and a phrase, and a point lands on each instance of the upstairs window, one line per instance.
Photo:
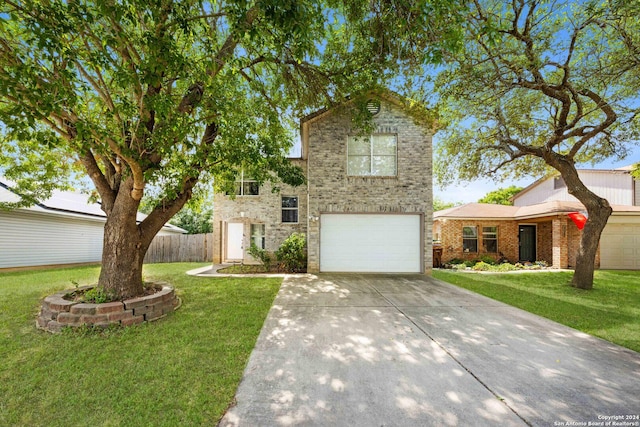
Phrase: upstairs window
(374, 155)
(470, 239)
(246, 186)
(490, 239)
(290, 209)
(558, 183)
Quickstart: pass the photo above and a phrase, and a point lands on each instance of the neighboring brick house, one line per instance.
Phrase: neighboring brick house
(537, 227)
(367, 203)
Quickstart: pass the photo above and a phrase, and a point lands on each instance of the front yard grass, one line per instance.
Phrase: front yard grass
(180, 370)
(611, 310)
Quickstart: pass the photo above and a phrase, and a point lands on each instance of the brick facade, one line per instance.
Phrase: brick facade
(557, 239)
(331, 190)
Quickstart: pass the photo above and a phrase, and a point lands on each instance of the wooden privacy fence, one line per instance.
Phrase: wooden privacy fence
(181, 248)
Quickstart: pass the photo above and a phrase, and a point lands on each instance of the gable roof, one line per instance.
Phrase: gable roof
(485, 211)
(68, 203)
(414, 109)
(625, 170)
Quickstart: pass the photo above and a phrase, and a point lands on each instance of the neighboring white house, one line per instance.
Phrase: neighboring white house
(617, 186)
(620, 241)
(65, 229)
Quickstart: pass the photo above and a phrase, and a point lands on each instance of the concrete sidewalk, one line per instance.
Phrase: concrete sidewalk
(389, 350)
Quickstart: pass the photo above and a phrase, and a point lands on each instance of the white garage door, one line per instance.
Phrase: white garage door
(370, 243)
(620, 247)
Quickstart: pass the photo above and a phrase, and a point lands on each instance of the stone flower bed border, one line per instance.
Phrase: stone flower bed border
(57, 312)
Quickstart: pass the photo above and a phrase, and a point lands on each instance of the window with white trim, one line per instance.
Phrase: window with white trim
(246, 186)
(258, 235)
(490, 239)
(290, 209)
(374, 155)
(470, 239)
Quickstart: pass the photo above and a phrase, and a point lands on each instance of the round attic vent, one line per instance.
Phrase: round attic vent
(373, 106)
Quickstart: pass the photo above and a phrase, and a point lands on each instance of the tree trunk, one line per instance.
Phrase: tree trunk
(123, 250)
(586, 257)
(122, 256)
(598, 210)
(126, 242)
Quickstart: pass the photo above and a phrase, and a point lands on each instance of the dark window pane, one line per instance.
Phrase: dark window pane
(469, 239)
(490, 245)
(289, 215)
(289, 202)
(251, 188)
(470, 245)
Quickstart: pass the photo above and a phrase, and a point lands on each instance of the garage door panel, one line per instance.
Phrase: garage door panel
(370, 243)
(620, 247)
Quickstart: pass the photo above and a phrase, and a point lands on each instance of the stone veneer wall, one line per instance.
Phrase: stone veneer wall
(332, 190)
(265, 208)
(57, 312)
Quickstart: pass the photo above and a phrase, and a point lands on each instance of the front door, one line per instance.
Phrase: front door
(235, 232)
(527, 239)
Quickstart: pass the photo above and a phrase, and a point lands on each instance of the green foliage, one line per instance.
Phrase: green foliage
(439, 204)
(487, 259)
(501, 196)
(505, 266)
(97, 295)
(537, 84)
(265, 258)
(481, 266)
(293, 253)
(194, 222)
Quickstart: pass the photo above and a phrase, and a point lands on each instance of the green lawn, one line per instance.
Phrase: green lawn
(181, 370)
(611, 310)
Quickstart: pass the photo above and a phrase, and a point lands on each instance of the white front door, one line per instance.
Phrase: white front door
(235, 232)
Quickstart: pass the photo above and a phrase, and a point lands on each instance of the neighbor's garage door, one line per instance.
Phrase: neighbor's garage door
(370, 243)
(620, 247)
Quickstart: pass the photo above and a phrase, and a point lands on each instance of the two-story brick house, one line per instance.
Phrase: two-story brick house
(367, 203)
(537, 226)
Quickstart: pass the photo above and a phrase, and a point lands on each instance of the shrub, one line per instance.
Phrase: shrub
(97, 295)
(292, 253)
(505, 266)
(469, 263)
(265, 258)
(487, 259)
(482, 266)
(456, 261)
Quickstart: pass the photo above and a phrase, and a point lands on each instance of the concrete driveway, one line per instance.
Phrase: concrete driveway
(390, 350)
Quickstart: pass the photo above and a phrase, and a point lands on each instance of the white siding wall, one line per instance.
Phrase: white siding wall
(616, 187)
(28, 239)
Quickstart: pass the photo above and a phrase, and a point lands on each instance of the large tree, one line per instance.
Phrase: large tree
(143, 94)
(539, 85)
